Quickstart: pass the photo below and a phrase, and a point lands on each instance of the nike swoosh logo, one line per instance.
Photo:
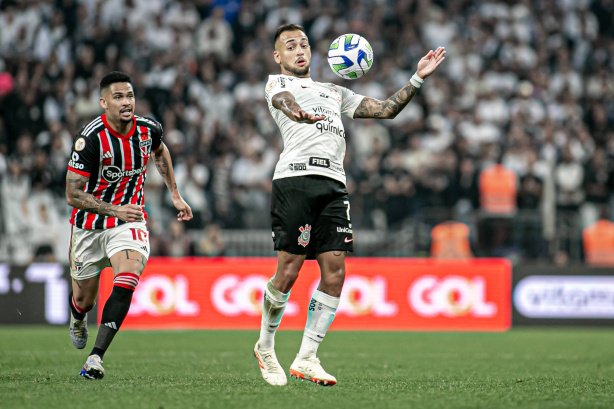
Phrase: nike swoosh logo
(302, 86)
(348, 240)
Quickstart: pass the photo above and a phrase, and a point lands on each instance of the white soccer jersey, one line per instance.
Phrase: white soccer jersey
(312, 149)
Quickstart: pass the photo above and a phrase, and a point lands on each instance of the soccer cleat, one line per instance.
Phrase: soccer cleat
(310, 369)
(272, 372)
(78, 332)
(93, 368)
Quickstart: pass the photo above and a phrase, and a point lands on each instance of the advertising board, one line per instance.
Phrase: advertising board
(378, 294)
(563, 296)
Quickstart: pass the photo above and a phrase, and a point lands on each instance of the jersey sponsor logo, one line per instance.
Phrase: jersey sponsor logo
(329, 127)
(80, 144)
(112, 173)
(305, 236)
(321, 162)
(75, 157)
(348, 240)
(282, 82)
(344, 230)
(76, 165)
(326, 112)
(297, 166)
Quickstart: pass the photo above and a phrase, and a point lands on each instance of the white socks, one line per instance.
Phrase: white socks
(321, 313)
(272, 310)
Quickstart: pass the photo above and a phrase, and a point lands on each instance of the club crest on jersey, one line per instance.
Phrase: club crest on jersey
(78, 265)
(271, 85)
(145, 146)
(303, 238)
(80, 144)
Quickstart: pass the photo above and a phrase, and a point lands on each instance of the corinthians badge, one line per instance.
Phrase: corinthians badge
(305, 235)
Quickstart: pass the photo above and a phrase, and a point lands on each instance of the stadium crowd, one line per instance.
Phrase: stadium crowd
(526, 84)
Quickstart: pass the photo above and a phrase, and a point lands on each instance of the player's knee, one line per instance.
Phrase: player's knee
(287, 274)
(84, 302)
(333, 276)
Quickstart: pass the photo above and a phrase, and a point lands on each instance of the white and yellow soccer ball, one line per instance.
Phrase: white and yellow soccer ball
(350, 56)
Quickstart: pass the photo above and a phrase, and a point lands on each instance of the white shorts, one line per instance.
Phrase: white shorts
(90, 250)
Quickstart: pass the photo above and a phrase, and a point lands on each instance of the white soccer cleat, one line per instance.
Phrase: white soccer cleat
(78, 332)
(272, 372)
(93, 368)
(310, 369)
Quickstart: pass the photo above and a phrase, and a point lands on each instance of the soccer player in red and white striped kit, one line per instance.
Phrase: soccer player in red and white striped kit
(104, 185)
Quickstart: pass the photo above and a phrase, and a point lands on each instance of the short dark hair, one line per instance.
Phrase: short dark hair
(287, 27)
(112, 78)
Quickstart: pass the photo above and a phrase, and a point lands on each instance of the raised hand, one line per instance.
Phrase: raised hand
(430, 62)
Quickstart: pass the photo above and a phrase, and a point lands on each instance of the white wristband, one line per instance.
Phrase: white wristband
(416, 81)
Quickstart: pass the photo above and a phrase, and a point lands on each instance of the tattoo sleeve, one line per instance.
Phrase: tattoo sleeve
(164, 165)
(388, 109)
(285, 102)
(76, 197)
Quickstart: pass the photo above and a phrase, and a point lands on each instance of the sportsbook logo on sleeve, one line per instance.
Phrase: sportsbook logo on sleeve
(74, 162)
(381, 294)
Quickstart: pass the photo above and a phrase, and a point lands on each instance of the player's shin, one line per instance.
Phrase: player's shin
(273, 308)
(115, 310)
(77, 312)
(322, 308)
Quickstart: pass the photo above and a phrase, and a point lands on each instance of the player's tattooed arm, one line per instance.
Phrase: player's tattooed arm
(373, 108)
(76, 197)
(285, 102)
(164, 164)
(388, 109)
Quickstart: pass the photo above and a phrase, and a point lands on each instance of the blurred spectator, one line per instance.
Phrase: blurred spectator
(498, 187)
(597, 184)
(211, 244)
(214, 36)
(450, 240)
(15, 188)
(569, 176)
(193, 177)
(598, 241)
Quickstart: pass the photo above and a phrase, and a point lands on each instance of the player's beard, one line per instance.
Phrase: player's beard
(125, 121)
(300, 71)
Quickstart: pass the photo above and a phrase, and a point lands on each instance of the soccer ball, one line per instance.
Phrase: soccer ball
(350, 56)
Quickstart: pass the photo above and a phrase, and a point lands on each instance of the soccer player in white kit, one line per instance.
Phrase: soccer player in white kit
(310, 208)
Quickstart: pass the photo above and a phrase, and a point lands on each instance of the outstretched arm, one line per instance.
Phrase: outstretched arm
(76, 197)
(164, 164)
(284, 101)
(389, 109)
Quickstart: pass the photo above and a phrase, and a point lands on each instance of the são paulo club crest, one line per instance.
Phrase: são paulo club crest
(303, 239)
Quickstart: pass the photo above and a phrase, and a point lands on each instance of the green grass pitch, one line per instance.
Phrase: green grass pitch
(524, 368)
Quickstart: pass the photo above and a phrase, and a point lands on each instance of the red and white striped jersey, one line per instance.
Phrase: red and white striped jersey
(115, 165)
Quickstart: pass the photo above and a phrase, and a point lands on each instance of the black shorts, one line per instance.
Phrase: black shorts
(310, 215)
